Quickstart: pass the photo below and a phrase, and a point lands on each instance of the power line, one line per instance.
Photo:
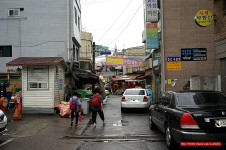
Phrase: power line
(115, 21)
(125, 26)
(86, 2)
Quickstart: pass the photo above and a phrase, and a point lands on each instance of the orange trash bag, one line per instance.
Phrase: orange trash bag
(64, 110)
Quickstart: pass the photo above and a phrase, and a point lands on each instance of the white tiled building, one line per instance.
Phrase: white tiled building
(43, 28)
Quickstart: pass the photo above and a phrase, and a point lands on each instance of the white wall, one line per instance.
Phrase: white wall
(41, 29)
(38, 98)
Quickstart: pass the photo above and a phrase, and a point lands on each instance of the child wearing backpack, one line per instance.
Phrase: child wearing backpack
(97, 106)
(75, 107)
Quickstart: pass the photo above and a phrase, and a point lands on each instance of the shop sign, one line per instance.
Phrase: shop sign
(107, 74)
(174, 66)
(156, 62)
(119, 61)
(152, 11)
(170, 59)
(193, 54)
(204, 18)
(152, 41)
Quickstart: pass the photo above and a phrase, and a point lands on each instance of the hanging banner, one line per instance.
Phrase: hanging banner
(151, 11)
(119, 61)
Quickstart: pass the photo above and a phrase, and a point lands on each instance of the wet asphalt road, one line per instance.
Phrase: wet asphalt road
(123, 131)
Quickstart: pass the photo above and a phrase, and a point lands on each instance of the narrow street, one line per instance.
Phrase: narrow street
(121, 129)
(128, 124)
(124, 131)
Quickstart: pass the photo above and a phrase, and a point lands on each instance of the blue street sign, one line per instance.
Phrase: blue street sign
(105, 53)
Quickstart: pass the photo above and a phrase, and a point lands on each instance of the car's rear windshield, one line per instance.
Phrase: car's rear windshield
(134, 92)
(200, 99)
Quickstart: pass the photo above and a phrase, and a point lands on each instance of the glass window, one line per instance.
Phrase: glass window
(134, 92)
(38, 77)
(14, 12)
(5, 51)
(75, 16)
(200, 99)
(79, 24)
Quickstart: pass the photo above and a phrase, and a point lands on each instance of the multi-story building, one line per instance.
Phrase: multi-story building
(134, 52)
(220, 38)
(186, 43)
(86, 52)
(44, 28)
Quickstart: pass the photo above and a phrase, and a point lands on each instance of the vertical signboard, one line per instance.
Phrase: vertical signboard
(151, 11)
(152, 36)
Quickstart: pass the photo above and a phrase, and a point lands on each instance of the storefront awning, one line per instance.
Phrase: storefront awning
(37, 61)
(83, 74)
(142, 76)
(126, 77)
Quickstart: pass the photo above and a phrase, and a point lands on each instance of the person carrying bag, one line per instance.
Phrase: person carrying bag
(75, 107)
(97, 106)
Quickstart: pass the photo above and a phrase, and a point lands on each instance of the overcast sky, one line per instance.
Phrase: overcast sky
(114, 22)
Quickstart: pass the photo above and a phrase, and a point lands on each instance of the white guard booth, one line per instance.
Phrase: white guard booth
(42, 83)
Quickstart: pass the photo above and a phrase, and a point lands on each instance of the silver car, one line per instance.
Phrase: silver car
(3, 122)
(135, 98)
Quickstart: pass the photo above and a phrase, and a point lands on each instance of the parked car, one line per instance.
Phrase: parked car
(3, 122)
(190, 118)
(135, 98)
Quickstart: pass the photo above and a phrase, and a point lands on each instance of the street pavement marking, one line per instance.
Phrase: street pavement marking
(4, 143)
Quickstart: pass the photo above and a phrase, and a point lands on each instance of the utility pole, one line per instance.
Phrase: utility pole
(94, 47)
(93, 70)
(115, 50)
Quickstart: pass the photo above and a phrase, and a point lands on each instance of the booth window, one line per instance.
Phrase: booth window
(38, 78)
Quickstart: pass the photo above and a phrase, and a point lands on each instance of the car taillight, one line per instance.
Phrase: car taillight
(187, 122)
(123, 99)
(145, 99)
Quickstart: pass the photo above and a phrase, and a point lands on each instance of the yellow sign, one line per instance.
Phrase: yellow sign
(204, 18)
(174, 66)
(114, 61)
(169, 81)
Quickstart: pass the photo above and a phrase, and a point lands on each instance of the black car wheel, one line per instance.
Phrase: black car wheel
(169, 138)
(151, 124)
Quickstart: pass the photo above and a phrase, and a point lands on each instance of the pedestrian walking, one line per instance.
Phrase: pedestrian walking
(97, 106)
(75, 107)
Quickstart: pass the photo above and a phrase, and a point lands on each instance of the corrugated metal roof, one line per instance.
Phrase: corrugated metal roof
(36, 61)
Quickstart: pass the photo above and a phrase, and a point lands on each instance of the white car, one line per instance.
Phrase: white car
(3, 122)
(135, 98)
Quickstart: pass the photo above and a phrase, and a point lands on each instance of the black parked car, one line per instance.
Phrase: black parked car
(191, 118)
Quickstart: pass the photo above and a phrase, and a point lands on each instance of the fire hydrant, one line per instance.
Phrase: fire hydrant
(18, 107)
(4, 104)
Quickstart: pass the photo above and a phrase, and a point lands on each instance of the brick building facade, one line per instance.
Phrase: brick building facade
(220, 38)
